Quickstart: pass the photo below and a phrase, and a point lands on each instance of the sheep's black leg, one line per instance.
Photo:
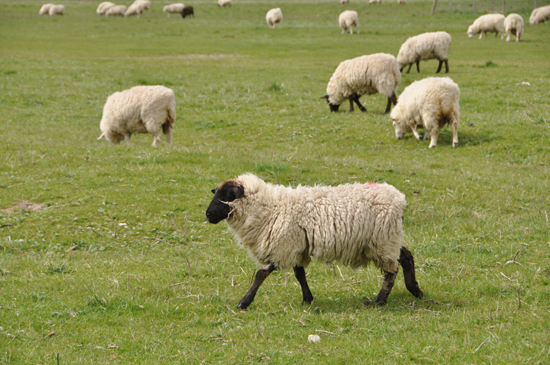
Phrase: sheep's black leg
(417, 67)
(394, 99)
(387, 285)
(388, 107)
(446, 66)
(439, 67)
(391, 99)
(407, 262)
(251, 293)
(409, 70)
(300, 274)
(351, 103)
(361, 107)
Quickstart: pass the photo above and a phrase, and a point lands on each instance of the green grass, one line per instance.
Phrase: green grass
(120, 265)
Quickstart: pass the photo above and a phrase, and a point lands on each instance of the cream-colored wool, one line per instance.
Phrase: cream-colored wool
(513, 24)
(45, 9)
(540, 15)
(103, 7)
(135, 9)
(352, 224)
(376, 73)
(141, 109)
(347, 20)
(273, 17)
(492, 23)
(145, 4)
(117, 10)
(173, 8)
(222, 3)
(56, 10)
(425, 46)
(430, 103)
(375, 1)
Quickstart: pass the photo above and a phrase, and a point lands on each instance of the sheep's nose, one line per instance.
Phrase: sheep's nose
(208, 214)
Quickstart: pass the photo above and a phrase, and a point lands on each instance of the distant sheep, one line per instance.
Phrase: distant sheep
(145, 4)
(344, 1)
(117, 10)
(187, 11)
(135, 9)
(513, 24)
(347, 20)
(45, 9)
(425, 46)
(173, 9)
(103, 7)
(375, 1)
(401, 2)
(56, 10)
(430, 103)
(492, 23)
(540, 15)
(376, 73)
(273, 17)
(283, 228)
(141, 109)
(222, 3)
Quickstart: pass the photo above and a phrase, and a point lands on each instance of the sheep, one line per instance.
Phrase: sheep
(187, 11)
(45, 9)
(375, 1)
(513, 24)
(103, 7)
(117, 10)
(173, 8)
(430, 103)
(135, 9)
(56, 10)
(222, 3)
(347, 20)
(376, 73)
(282, 228)
(487, 23)
(145, 4)
(344, 1)
(141, 109)
(273, 17)
(401, 2)
(540, 15)
(425, 46)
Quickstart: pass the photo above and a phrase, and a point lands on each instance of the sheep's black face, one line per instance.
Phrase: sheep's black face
(333, 108)
(226, 192)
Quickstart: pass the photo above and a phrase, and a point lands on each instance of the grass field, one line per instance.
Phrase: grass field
(106, 255)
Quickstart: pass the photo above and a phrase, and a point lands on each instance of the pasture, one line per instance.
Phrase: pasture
(105, 252)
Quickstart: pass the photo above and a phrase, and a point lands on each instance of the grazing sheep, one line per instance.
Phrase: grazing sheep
(117, 10)
(344, 1)
(540, 15)
(135, 9)
(56, 10)
(487, 23)
(401, 2)
(430, 103)
(425, 46)
(103, 7)
(513, 24)
(222, 3)
(145, 4)
(273, 17)
(45, 9)
(187, 11)
(347, 20)
(173, 8)
(141, 109)
(375, 1)
(376, 73)
(282, 228)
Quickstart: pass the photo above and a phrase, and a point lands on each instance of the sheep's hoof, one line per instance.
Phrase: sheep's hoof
(243, 306)
(417, 293)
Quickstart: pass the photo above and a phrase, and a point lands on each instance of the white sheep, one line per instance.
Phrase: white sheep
(375, 1)
(492, 23)
(222, 3)
(173, 9)
(145, 4)
(425, 46)
(117, 10)
(56, 10)
(540, 15)
(103, 7)
(430, 103)
(135, 9)
(273, 17)
(283, 228)
(45, 9)
(376, 73)
(513, 24)
(347, 20)
(141, 109)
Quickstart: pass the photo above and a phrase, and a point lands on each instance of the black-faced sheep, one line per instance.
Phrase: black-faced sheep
(187, 11)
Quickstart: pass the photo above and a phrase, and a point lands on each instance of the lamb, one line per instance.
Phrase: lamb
(173, 8)
(103, 7)
(487, 23)
(347, 20)
(376, 73)
(513, 24)
(273, 17)
(425, 46)
(187, 11)
(56, 10)
(282, 228)
(430, 103)
(222, 3)
(540, 15)
(117, 10)
(141, 109)
(45, 9)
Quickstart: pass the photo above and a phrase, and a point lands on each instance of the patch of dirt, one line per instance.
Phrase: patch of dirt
(24, 205)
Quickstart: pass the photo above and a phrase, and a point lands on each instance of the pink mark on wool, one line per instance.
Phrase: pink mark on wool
(371, 185)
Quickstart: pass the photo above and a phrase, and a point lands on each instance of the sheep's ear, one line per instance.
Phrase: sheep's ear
(213, 191)
(324, 97)
(239, 191)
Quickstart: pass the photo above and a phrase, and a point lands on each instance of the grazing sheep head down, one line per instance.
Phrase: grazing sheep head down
(333, 107)
(219, 208)
(471, 32)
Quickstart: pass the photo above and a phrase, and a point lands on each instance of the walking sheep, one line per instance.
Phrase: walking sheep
(492, 23)
(45, 9)
(513, 24)
(273, 17)
(425, 46)
(56, 10)
(376, 73)
(540, 15)
(173, 8)
(141, 109)
(347, 20)
(283, 228)
(430, 103)
(187, 11)
(117, 10)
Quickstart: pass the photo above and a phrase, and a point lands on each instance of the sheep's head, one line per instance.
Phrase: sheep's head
(400, 128)
(471, 32)
(219, 208)
(333, 107)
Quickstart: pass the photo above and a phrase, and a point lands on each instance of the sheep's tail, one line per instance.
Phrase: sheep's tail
(406, 260)
(170, 119)
(102, 136)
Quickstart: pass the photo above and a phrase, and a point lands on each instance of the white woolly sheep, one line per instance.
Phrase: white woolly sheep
(137, 8)
(222, 3)
(430, 103)
(103, 7)
(425, 46)
(283, 228)
(540, 15)
(347, 20)
(173, 9)
(376, 73)
(273, 17)
(344, 1)
(141, 109)
(45, 9)
(375, 1)
(117, 10)
(145, 4)
(513, 24)
(56, 10)
(492, 23)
